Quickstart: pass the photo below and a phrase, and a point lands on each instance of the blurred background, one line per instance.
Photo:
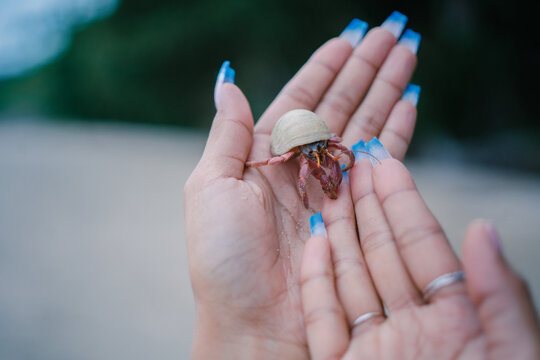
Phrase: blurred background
(104, 110)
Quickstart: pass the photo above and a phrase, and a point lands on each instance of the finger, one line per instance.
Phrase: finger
(354, 286)
(306, 88)
(501, 297)
(386, 267)
(325, 322)
(230, 138)
(421, 241)
(398, 130)
(353, 81)
(388, 86)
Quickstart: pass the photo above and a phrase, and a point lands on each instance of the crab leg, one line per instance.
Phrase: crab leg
(329, 187)
(272, 161)
(302, 180)
(335, 172)
(345, 151)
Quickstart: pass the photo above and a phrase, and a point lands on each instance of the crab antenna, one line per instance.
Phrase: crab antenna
(366, 153)
(318, 159)
(332, 156)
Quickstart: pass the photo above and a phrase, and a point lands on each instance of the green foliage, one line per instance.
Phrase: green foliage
(157, 61)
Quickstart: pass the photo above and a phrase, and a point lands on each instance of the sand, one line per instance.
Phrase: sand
(92, 248)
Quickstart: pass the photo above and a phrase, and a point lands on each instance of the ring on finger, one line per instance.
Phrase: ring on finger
(365, 317)
(442, 281)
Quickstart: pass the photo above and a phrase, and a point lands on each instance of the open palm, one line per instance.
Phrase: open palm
(402, 249)
(246, 227)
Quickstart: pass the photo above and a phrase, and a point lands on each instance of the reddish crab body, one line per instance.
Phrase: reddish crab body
(291, 138)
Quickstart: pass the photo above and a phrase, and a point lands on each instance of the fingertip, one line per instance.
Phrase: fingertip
(482, 259)
(317, 248)
(502, 299)
(234, 103)
(231, 134)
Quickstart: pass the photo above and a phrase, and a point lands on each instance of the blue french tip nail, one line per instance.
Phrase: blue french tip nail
(226, 75)
(395, 23)
(377, 150)
(317, 225)
(354, 32)
(410, 40)
(345, 174)
(359, 150)
(411, 94)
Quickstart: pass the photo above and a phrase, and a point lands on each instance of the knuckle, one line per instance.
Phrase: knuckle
(376, 240)
(359, 196)
(369, 121)
(325, 65)
(300, 94)
(313, 277)
(413, 236)
(340, 102)
(349, 265)
(365, 61)
(321, 314)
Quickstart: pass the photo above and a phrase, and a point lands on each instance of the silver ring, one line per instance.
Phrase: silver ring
(442, 281)
(365, 317)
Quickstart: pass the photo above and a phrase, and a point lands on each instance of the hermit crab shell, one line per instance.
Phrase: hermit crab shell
(295, 128)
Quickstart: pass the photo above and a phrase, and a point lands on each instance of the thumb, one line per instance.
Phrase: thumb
(231, 135)
(501, 297)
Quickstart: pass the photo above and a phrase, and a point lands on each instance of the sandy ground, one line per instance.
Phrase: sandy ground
(92, 254)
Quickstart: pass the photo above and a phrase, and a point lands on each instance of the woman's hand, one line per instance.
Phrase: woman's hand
(246, 227)
(402, 249)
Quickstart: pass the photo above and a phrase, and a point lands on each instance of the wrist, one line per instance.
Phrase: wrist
(231, 340)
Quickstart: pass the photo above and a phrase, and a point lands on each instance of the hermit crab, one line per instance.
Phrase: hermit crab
(301, 133)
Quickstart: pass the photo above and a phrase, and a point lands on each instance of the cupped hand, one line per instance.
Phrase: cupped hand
(397, 251)
(246, 227)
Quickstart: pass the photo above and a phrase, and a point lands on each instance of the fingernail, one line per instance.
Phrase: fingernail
(395, 23)
(377, 150)
(317, 225)
(411, 40)
(225, 75)
(354, 32)
(494, 236)
(345, 174)
(359, 150)
(411, 94)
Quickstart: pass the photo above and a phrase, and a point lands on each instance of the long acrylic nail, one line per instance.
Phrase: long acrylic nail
(377, 150)
(359, 150)
(395, 23)
(354, 32)
(411, 94)
(317, 225)
(345, 174)
(410, 40)
(225, 75)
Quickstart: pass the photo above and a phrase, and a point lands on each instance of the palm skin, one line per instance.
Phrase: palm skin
(246, 227)
(262, 291)
(253, 268)
(489, 316)
(446, 330)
